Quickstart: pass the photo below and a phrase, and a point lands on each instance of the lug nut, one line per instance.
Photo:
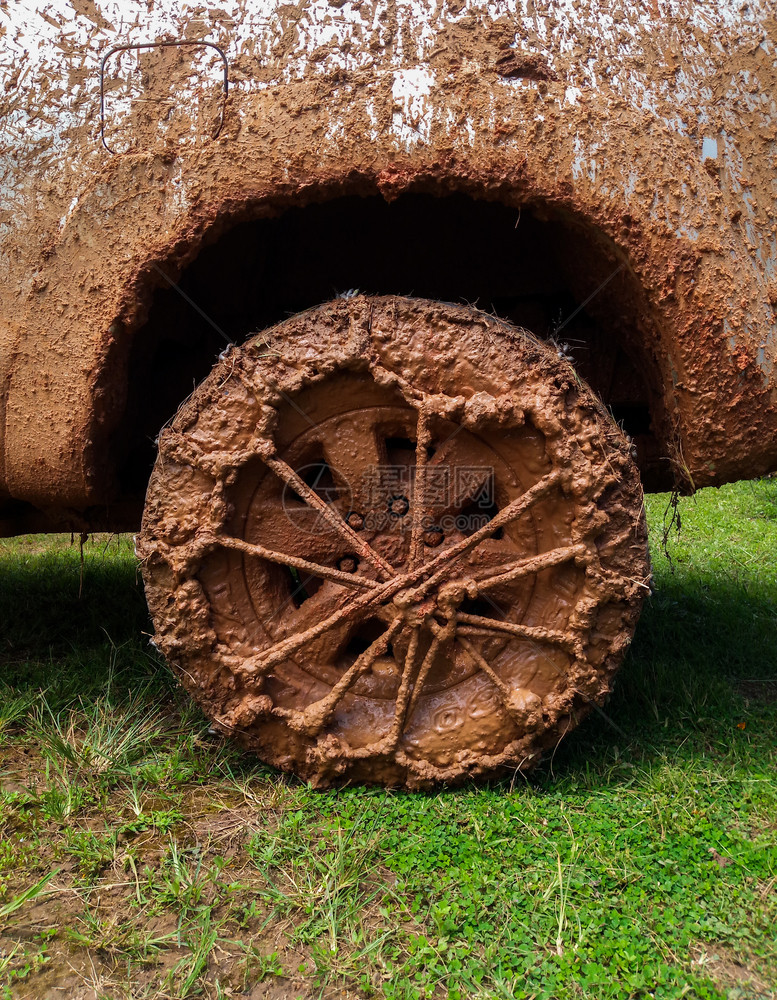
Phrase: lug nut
(348, 564)
(432, 537)
(399, 506)
(354, 520)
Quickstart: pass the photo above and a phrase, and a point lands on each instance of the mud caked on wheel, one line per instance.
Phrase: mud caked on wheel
(396, 541)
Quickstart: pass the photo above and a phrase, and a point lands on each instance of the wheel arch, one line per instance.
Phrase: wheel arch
(424, 198)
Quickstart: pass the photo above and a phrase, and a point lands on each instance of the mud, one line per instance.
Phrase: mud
(652, 127)
(349, 648)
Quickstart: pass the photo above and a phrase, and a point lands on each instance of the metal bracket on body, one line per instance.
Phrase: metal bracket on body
(155, 45)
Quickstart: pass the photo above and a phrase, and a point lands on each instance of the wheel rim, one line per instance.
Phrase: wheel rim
(394, 582)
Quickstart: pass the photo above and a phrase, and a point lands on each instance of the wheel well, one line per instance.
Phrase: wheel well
(535, 265)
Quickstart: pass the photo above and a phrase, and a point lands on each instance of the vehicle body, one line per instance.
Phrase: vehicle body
(601, 173)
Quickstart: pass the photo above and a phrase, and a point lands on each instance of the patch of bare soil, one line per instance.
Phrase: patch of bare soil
(762, 692)
(731, 975)
(74, 945)
(133, 927)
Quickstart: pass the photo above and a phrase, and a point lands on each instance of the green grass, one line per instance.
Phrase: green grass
(143, 857)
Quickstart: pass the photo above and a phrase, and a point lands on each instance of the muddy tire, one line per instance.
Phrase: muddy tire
(394, 541)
